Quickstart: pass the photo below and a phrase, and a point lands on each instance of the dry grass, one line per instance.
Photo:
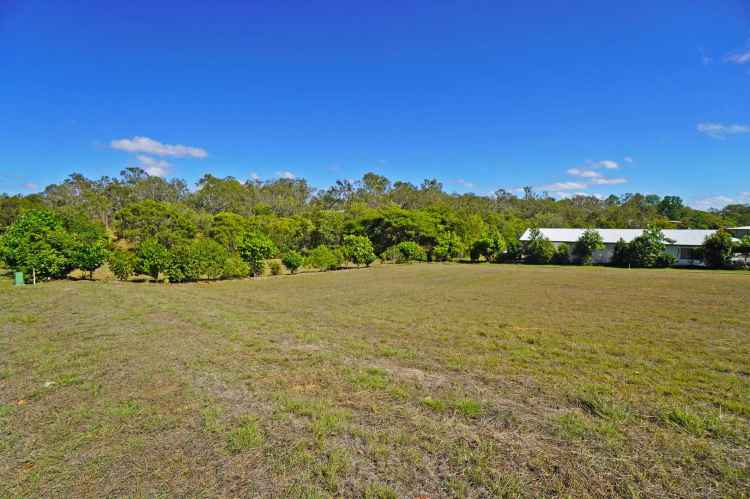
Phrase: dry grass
(396, 381)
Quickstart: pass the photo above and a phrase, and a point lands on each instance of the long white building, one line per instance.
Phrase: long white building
(682, 241)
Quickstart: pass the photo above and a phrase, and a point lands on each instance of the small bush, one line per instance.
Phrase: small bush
(562, 255)
(151, 258)
(718, 249)
(411, 252)
(449, 246)
(255, 248)
(324, 258)
(539, 249)
(665, 260)
(235, 267)
(275, 268)
(391, 254)
(358, 250)
(292, 261)
(584, 248)
(122, 264)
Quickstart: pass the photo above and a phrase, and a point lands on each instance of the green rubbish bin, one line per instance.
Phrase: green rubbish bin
(19, 279)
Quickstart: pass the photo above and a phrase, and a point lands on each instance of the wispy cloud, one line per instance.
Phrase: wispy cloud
(152, 166)
(608, 181)
(578, 172)
(255, 177)
(628, 159)
(564, 186)
(721, 130)
(30, 186)
(464, 183)
(151, 146)
(608, 164)
(712, 202)
(286, 174)
(739, 57)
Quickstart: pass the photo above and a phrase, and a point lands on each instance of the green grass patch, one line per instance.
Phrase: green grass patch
(245, 436)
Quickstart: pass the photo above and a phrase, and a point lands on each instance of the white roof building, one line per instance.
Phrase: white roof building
(681, 237)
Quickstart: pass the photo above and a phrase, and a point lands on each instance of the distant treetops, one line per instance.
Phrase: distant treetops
(144, 225)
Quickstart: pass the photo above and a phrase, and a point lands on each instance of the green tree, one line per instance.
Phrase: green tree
(646, 249)
(358, 250)
(323, 258)
(584, 248)
(411, 252)
(255, 248)
(151, 258)
(228, 228)
(621, 256)
(539, 249)
(89, 256)
(718, 249)
(562, 255)
(38, 244)
(167, 223)
(122, 264)
(449, 246)
(292, 260)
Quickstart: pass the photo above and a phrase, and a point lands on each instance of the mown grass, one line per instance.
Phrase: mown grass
(396, 381)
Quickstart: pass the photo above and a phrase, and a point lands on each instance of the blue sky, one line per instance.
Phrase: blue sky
(595, 97)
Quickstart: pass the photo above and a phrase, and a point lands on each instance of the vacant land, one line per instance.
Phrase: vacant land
(436, 380)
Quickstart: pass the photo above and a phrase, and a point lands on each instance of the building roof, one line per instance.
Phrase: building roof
(746, 227)
(681, 237)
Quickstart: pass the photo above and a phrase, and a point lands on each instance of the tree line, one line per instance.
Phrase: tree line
(147, 225)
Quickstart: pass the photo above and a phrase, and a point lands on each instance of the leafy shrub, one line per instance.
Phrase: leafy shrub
(491, 248)
(391, 254)
(562, 255)
(151, 258)
(234, 267)
(539, 249)
(122, 264)
(210, 256)
(665, 260)
(38, 242)
(275, 268)
(411, 252)
(255, 248)
(449, 246)
(647, 248)
(195, 260)
(621, 254)
(584, 248)
(292, 261)
(324, 258)
(358, 250)
(168, 223)
(89, 256)
(718, 249)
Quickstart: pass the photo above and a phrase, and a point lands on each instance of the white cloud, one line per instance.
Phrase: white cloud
(628, 159)
(745, 194)
(464, 183)
(286, 174)
(30, 186)
(720, 130)
(564, 186)
(151, 146)
(712, 202)
(578, 172)
(154, 167)
(608, 181)
(608, 164)
(255, 177)
(739, 57)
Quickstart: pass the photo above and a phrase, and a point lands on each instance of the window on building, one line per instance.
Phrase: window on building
(687, 254)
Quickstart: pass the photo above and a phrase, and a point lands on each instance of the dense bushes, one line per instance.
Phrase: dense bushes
(562, 255)
(324, 258)
(122, 264)
(255, 248)
(489, 247)
(718, 249)
(584, 248)
(358, 250)
(45, 244)
(539, 249)
(405, 252)
(292, 261)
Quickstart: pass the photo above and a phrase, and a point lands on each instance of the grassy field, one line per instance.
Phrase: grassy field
(395, 381)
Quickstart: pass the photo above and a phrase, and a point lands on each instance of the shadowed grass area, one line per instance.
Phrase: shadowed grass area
(394, 381)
